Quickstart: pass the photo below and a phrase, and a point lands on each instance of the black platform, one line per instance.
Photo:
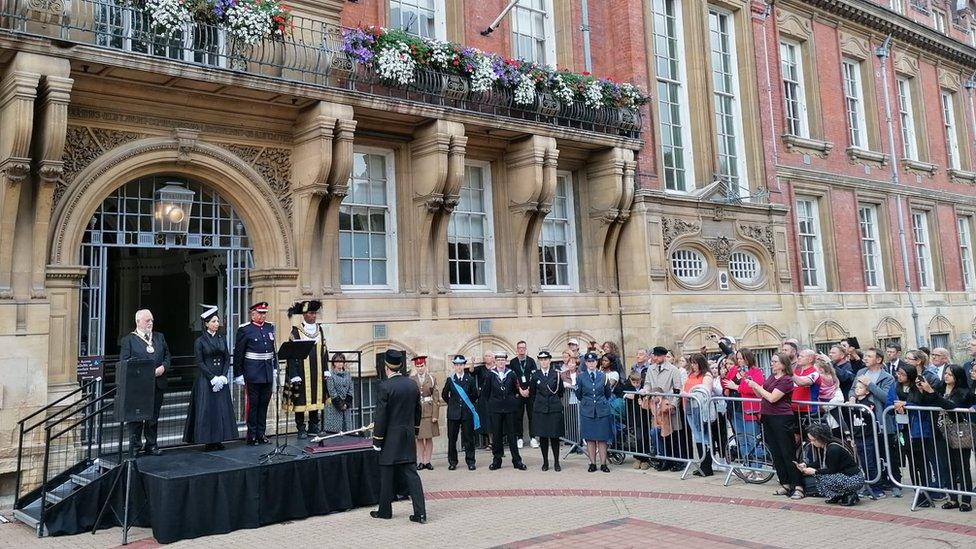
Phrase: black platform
(189, 493)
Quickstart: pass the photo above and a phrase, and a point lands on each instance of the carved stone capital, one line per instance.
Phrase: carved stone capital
(15, 169)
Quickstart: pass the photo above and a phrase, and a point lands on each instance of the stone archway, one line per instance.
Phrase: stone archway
(262, 209)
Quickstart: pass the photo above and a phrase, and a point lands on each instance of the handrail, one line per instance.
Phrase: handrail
(87, 416)
(311, 53)
(62, 399)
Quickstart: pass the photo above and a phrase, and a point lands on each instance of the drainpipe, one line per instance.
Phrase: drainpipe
(769, 95)
(585, 30)
(884, 53)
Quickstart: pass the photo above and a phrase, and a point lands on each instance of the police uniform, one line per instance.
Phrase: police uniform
(396, 423)
(305, 389)
(502, 398)
(547, 410)
(256, 365)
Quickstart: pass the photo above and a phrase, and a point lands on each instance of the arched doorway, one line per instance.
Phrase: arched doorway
(129, 267)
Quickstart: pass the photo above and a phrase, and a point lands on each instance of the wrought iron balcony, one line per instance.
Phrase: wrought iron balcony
(311, 53)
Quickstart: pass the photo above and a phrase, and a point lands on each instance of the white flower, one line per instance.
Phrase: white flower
(247, 23)
(525, 91)
(483, 77)
(395, 63)
(562, 92)
(593, 94)
(440, 53)
(168, 16)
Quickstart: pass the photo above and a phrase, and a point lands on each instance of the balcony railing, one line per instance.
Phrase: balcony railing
(312, 53)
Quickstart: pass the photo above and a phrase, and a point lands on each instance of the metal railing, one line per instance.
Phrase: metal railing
(936, 446)
(311, 53)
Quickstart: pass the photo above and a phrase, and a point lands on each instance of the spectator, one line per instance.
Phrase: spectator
(699, 385)
(957, 394)
(971, 348)
(840, 479)
(610, 348)
(640, 419)
(827, 380)
(876, 383)
(568, 374)
(919, 359)
(745, 414)
(845, 372)
(609, 368)
(805, 379)
(727, 345)
(574, 348)
(791, 350)
(779, 424)
(662, 377)
(523, 366)
(892, 358)
(939, 361)
(641, 365)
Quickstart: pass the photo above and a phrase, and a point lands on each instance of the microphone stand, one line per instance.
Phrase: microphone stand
(280, 448)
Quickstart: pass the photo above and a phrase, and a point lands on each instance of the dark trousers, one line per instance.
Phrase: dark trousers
(894, 466)
(390, 477)
(148, 428)
(960, 473)
(313, 418)
(258, 399)
(466, 428)
(778, 434)
(503, 428)
(524, 409)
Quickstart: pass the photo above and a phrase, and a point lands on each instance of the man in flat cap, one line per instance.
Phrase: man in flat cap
(396, 422)
(256, 367)
(305, 379)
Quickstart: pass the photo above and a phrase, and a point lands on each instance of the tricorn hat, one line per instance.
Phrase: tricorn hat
(302, 307)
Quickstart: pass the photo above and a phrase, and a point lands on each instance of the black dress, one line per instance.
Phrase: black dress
(211, 416)
(547, 404)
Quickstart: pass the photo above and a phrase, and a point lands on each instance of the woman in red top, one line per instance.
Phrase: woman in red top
(745, 415)
(779, 424)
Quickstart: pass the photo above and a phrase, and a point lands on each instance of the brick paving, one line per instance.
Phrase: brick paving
(626, 508)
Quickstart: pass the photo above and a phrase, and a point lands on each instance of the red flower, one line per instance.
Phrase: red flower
(585, 73)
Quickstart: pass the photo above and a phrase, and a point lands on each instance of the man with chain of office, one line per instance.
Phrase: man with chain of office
(305, 390)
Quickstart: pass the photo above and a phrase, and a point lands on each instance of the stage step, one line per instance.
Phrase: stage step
(30, 515)
(85, 477)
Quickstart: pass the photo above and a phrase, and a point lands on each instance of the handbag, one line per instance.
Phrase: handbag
(958, 434)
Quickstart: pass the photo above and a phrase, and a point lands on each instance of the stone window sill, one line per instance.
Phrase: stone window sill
(869, 158)
(961, 176)
(919, 167)
(807, 145)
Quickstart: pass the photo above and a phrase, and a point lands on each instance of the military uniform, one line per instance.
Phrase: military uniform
(547, 410)
(501, 390)
(461, 414)
(256, 364)
(396, 423)
(305, 390)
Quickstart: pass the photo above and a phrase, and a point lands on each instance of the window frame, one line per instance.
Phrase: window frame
(392, 270)
(923, 249)
(693, 254)
(940, 22)
(818, 254)
(489, 213)
(548, 31)
(571, 245)
(687, 183)
(906, 112)
(965, 235)
(947, 103)
(440, 17)
(802, 116)
(740, 159)
(853, 82)
(876, 259)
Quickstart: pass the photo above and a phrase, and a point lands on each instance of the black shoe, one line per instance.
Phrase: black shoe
(134, 451)
(604, 468)
(451, 466)
(251, 442)
(153, 451)
(850, 500)
(263, 440)
(471, 467)
(545, 466)
(302, 433)
(965, 507)
(429, 467)
(419, 519)
(592, 468)
(950, 505)
(835, 499)
(209, 447)
(376, 514)
(313, 429)
(520, 466)
(495, 466)
(925, 503)
(556, 467)
(420, 466)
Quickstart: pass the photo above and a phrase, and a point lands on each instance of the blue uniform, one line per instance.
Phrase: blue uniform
(255, 357)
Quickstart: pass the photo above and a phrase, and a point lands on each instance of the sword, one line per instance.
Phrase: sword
(361, 429)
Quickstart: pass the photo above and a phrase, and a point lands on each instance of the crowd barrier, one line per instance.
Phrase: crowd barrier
(931, 450)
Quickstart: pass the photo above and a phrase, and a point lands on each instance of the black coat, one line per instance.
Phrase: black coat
(456, 408)
(547, 405)
(133, 347)
(211, 415)
(501, 395)
(397, 420)
(523, 374)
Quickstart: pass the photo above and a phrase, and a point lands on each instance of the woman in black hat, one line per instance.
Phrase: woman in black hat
(210, 420)
(546, 390)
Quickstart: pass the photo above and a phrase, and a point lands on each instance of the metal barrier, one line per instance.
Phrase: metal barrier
(740, 449)
(932, 444)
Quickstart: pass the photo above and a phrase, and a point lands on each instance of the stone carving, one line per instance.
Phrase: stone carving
(77, 113)
(109, 139)
(762, 234)
(672, 228)
(82, 146)
(247, 153)
(721, 246)
(274, 165)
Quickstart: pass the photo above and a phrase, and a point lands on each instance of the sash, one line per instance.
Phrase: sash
(467, 402)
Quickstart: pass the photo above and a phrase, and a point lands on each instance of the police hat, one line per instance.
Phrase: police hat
(591, 357)
(543, 354)
(259, 307)
(459, 359)
(501, 354)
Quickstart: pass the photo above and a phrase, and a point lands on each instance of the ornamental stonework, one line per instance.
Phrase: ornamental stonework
(274, 165)
(82, 145)
(672, 228)
(762, 234)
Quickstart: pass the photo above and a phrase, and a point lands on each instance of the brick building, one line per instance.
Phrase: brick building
(753, 196)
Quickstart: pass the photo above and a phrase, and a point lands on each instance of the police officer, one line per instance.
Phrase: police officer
(256, 365)
(502, 391)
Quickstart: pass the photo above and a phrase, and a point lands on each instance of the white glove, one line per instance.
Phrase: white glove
(328, 373)
(223, 380)
(296, 379)
(215, 381)
(239, 380)
(218, 387)
(426, 400)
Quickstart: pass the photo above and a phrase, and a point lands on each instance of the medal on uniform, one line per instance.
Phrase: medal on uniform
(150, 349)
